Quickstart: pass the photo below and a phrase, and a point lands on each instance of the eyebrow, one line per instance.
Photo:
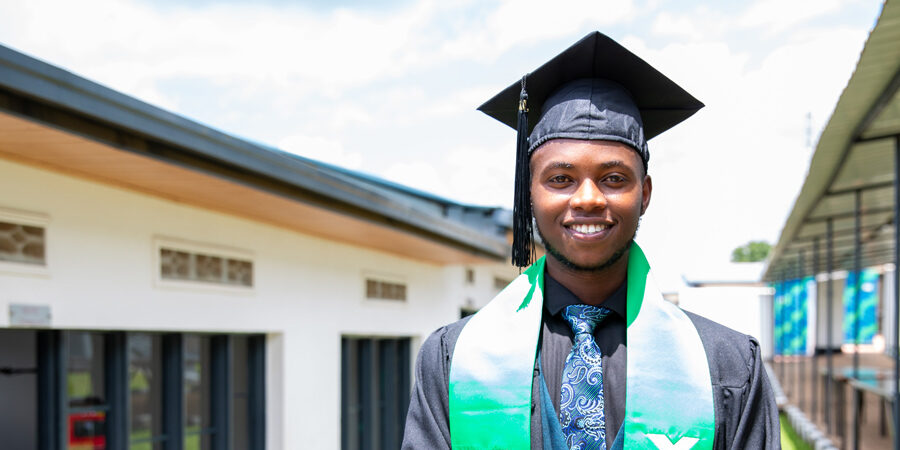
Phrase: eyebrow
(611, 164)
(560, 165)
(605, 165)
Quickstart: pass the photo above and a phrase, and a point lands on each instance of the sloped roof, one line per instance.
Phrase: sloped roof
(39, 92)
(854, 158)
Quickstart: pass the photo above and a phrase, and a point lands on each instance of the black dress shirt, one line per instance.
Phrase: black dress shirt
(556, 343)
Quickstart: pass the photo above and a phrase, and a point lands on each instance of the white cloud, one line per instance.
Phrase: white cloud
(457, 102)
(774, 16)
(482, 175)
(417, 174)
(322, 149)
(685, 25)
(474, 174)
(126, 44)
(517, 22)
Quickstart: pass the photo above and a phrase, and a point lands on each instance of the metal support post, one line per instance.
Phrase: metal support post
(801, 352)
(896, 336)
(813, 409)
(783, 338)
(857, 268)
(829, 344)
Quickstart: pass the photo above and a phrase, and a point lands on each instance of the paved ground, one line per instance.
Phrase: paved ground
(808, 392)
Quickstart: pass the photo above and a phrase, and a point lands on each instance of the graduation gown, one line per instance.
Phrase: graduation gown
(745, 412)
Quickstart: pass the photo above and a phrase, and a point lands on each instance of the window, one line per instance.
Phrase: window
(145, 391)
(240, 392)
(470, 276)
(197, 385)
(85, 388)
(21, 243)
(385, 289)
(375, 385)
(176, 264)
(140, 391)
(500, 283)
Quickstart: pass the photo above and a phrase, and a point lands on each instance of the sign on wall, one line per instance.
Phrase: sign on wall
(23, 315)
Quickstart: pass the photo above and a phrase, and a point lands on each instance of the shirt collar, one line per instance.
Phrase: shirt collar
(557, 297)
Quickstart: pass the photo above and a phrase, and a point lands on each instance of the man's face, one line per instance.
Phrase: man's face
(587, 197)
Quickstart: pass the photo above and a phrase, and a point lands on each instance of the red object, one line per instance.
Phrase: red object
(88, 430)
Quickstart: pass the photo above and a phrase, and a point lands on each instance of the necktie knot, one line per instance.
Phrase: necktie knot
(584, 318)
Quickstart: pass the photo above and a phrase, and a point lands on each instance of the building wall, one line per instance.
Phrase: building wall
(739, 308)
(102, 274)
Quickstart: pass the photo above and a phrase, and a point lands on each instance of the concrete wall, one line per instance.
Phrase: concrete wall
(103, 274)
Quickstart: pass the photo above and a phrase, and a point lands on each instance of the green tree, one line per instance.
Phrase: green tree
(752, 251)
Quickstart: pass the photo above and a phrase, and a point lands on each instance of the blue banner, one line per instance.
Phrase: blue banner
(791, 311)
(778, 311)
(868, 303)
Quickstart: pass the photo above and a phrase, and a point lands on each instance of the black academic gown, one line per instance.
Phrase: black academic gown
(745, 411)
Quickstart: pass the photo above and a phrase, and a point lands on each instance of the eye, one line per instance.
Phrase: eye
(615, 179)
(559, 179)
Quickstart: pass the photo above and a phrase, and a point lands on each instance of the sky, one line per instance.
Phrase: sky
(391, 88)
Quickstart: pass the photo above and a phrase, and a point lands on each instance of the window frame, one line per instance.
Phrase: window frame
(376, 385)
(53, 402)
(384, 278)
(33, 219)
(161, 242)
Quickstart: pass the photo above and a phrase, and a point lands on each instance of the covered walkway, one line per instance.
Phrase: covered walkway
(833, 267)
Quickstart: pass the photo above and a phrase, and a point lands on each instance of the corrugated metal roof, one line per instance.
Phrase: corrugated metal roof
(855, 153)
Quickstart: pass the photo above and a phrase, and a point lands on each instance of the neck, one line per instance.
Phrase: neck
(592, 287)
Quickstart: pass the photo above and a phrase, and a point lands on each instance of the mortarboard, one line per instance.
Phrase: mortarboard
(595, 90)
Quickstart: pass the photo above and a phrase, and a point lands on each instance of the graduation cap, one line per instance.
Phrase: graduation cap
(594, 90)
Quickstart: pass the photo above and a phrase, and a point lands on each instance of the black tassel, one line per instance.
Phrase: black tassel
(523, 235)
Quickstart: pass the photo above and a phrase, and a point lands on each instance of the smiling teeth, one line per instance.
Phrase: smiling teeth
(589, 229)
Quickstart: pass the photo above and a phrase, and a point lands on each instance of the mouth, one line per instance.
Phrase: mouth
(589, 230)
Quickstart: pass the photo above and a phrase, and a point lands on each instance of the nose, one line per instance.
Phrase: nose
(588, 197)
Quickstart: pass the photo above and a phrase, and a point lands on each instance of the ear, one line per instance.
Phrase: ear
(646, 190)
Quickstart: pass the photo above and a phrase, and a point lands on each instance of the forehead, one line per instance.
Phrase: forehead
(584, 153)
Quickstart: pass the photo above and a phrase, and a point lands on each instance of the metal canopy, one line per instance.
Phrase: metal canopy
(855, 153)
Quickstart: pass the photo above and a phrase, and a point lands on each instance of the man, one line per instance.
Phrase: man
(544, 364)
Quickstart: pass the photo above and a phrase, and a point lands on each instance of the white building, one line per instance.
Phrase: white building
(165, 285)
(732, 295)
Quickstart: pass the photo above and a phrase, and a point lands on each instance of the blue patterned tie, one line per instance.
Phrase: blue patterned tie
(581, 412)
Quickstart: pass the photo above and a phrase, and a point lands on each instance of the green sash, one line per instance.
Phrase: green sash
(668, 400)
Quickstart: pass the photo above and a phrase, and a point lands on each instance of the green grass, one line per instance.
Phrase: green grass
(790, 440)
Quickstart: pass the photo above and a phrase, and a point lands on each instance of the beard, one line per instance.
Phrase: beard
(569, 264)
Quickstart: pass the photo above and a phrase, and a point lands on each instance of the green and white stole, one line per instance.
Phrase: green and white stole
(668, 399)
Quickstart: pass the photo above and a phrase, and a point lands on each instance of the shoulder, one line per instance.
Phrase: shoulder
(427, 423)
(733, 356)
(436, 351)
